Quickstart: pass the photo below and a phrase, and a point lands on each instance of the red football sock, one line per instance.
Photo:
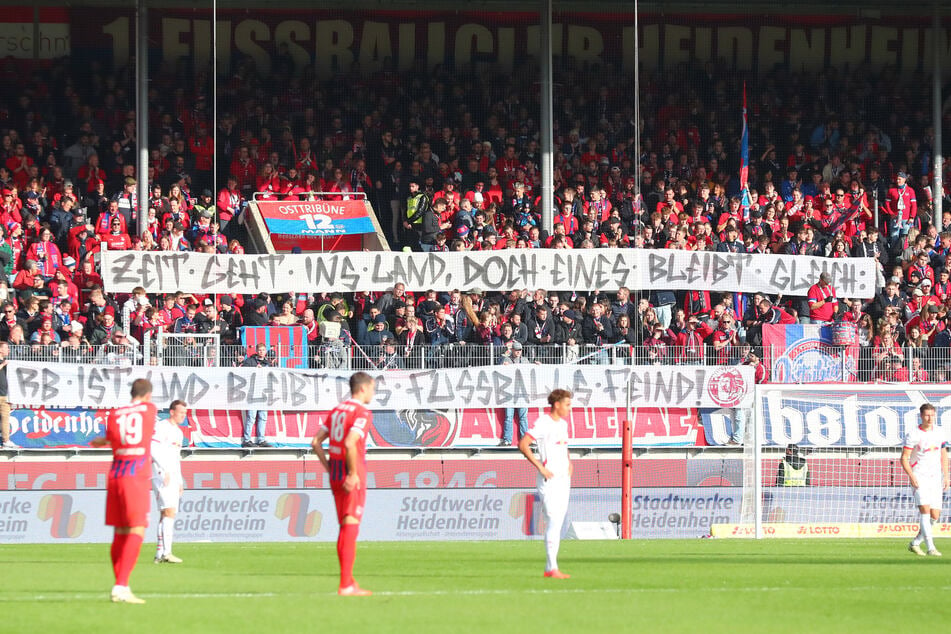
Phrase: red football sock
(118, 540)
(127, 558)
(347, 552)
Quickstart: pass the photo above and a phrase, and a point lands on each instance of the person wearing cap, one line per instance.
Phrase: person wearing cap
(231, 316)
(731, 243)
(900, 208)
(127, 203)
(822, 301)
(205, 204)
(452, 197)
(102, 332)
(379, 330)
(117, 239)
(513, 355)
(793, 469)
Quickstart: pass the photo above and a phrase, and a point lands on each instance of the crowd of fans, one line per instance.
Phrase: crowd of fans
(841, 165)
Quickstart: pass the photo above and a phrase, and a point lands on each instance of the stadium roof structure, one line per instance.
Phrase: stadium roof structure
(866, 8)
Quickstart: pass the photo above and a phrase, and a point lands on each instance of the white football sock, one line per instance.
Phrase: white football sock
(160, 541)
(168, 524)
(926, 529)
(553, 541)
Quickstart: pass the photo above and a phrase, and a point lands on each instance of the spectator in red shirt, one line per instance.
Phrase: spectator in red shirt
(900, 207)
(104, 223)
(823, 304)
(690, 341)
(19, 165)
(46, 254)
(724, 338)
(26, 276)
(244, 170)
(117, 239)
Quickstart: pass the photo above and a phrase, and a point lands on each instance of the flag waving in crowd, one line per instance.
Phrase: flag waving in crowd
(745, 201)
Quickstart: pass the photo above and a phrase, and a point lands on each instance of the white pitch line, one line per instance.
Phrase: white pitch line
(104, 596)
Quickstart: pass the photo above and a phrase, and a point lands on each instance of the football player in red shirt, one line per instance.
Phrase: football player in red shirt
(346, 427)
(129, 432)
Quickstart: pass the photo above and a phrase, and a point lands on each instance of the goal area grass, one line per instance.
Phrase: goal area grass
(700, 586)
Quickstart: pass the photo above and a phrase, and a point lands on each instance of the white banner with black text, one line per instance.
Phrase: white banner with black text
(553, 270)
(55, 385)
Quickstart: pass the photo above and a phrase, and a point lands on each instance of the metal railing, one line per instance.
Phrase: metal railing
(191, 350)
(828, 364)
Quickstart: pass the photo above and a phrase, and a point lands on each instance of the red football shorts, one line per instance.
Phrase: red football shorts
(127, 502)
(351, 503)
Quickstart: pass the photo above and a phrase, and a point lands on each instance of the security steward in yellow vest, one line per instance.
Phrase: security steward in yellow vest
(417, 204)
(793, 470)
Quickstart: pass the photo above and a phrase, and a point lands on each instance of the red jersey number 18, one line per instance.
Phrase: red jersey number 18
(337, 425)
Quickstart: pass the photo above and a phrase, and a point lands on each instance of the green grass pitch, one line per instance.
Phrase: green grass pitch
(696, 586)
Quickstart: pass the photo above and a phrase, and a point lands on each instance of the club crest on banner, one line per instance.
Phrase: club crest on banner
(414, 428)
(808, 354)
(727, 387)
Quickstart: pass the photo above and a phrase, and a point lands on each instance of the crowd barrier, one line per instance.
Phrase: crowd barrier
(816, 363)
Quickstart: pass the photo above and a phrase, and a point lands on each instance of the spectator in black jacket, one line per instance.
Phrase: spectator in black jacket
(430, 228)
(541, 327)
(598, 329)
(256, 313)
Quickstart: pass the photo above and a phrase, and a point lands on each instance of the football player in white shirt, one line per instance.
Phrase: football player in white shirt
(924, 457)
(167, 477)
(550, 432)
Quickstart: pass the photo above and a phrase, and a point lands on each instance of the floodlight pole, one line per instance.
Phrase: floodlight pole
(545, 59)
(142, 112)
(214, 103)
(937, 185)
(637, 108)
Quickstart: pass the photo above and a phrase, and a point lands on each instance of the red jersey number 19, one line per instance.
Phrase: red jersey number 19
(130, 428)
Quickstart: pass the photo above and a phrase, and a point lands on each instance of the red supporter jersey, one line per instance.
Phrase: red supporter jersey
(129, 431)
(346, 417)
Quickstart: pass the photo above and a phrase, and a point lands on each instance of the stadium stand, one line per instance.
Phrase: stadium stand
(825, 150)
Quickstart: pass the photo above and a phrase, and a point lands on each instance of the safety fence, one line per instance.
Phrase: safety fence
(820, 363)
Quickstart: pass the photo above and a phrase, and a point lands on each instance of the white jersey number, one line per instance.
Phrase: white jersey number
(336, 425)
(130, 428)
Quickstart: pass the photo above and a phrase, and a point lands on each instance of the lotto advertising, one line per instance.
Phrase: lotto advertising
(836, 511)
